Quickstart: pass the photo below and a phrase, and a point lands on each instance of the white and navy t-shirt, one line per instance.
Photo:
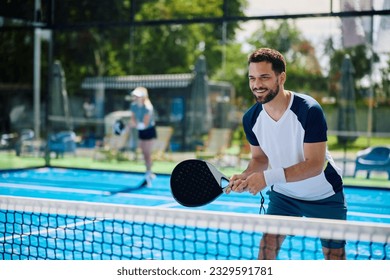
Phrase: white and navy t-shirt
(282, 141)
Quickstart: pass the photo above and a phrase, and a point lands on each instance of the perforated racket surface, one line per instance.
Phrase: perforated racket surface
(196, 182)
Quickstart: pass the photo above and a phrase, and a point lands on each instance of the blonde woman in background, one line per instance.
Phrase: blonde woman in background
(143, 119)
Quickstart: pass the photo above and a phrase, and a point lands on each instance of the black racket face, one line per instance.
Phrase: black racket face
(193, 184)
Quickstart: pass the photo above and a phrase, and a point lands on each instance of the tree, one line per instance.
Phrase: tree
(383, 88)
(16, 49)
(361, 60)
(236, 71)
(123, 49)
(83, 47)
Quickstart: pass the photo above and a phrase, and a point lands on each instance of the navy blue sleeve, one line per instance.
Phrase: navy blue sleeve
(248, 121)
(315, 127)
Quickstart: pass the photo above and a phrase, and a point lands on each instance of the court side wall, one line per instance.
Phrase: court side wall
(381, 117)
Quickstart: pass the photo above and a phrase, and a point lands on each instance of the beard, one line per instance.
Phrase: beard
(270, 95)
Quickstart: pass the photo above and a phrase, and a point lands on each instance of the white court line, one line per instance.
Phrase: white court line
(46, 231)
(371, 215)
(256, 206)
(79, 191)
(167, 205)
(47, 188)
(146, 196)
(160, 197)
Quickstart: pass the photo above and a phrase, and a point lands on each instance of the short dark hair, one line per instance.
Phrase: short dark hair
(269, 55)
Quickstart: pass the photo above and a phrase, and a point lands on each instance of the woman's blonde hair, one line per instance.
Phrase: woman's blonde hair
(143, 92)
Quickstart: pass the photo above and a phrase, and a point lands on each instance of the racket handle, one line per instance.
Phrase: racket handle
(227, 187)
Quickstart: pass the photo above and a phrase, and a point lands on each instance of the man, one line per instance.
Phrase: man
(287, 136)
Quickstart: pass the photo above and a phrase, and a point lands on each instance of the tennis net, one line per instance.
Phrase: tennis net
(32, 228)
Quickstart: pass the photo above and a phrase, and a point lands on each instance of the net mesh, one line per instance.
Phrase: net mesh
(67, 230)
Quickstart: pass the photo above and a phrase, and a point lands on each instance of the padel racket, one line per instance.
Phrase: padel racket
(196, 182)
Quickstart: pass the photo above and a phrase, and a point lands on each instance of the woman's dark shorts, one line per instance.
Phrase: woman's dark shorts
(147, 134)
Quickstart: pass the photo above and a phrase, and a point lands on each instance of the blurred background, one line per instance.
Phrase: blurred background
(66, 68)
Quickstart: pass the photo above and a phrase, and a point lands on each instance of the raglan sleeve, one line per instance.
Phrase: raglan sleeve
(316, 127)
(247, 123)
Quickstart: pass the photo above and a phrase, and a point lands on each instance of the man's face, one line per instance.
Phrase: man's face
(263, 81)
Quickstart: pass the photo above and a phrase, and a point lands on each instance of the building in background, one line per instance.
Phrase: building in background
(188, 102)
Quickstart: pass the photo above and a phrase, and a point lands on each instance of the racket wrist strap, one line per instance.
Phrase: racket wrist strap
(274, 176)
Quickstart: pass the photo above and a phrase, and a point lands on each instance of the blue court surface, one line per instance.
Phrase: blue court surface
(364, 204)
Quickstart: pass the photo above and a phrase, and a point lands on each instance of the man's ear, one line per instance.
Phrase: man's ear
(283, 77)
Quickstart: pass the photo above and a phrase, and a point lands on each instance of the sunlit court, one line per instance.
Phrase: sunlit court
(73, 214)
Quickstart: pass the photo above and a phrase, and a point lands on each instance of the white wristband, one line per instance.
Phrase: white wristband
(274, 176)
(141, 126)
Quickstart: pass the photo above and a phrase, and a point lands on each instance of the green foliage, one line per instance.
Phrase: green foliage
(361, 143)
(281, 36)
(303, 80)
(16, 48)
(382, 91)
(361, 60)
(96, 38)
(235, 72)
(175, 48)
(141, 49)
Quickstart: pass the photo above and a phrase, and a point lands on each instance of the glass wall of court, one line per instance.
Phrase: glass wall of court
(49, 59)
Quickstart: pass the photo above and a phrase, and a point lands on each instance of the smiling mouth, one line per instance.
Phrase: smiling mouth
(260, 91)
